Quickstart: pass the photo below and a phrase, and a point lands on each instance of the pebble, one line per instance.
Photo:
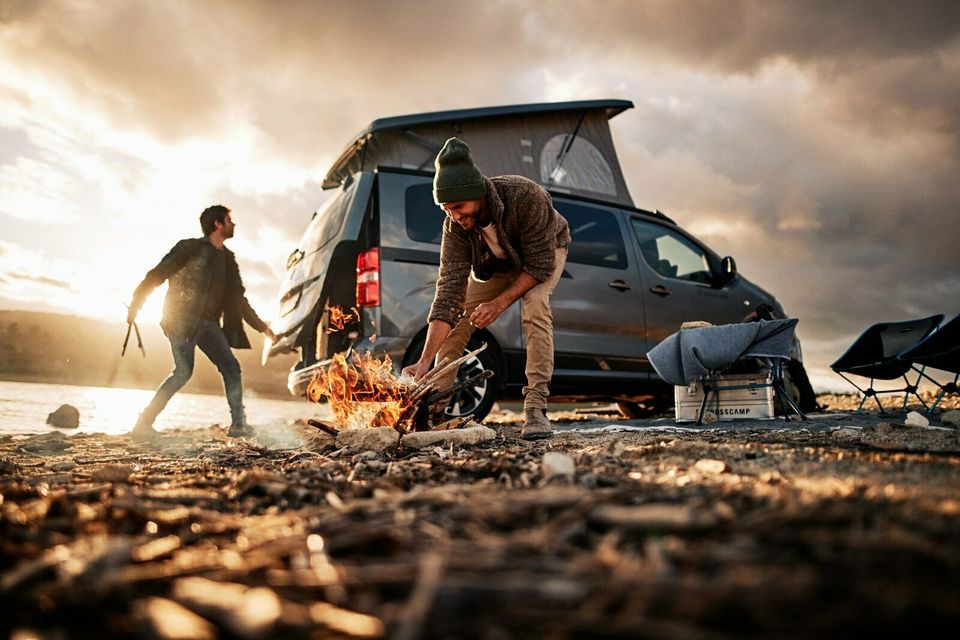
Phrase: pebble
(915, 419)
(710, 465)
(951, 418)
(46, 443)
(67, 465)
(113, 473)
(558, 465)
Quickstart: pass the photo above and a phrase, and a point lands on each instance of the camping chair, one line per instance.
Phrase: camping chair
(874, 355)
(702, 352)
(939, 350)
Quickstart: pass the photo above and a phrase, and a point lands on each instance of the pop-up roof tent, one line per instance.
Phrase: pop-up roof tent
(565, 146)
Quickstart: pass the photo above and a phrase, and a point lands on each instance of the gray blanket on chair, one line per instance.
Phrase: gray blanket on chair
(689, 354)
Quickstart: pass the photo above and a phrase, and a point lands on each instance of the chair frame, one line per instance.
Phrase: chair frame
(889, 357)
(870, 392)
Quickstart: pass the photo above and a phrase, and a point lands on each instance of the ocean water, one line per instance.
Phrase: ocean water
(24, 407)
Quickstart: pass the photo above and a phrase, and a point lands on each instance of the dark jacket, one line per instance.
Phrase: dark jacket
(187, 267)
(529, 229)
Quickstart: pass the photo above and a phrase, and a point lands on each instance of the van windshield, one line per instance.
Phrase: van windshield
(328, 219)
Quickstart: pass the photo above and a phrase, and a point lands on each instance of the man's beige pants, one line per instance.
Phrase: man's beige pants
(537, 325)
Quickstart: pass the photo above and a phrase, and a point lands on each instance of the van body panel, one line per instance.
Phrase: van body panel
(304, 281)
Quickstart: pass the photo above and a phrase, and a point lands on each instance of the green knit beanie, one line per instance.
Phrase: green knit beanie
(457, 178)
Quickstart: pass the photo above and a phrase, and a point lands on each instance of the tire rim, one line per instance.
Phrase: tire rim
(468, 399)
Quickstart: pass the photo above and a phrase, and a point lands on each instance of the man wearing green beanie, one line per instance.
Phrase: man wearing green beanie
(502, 241)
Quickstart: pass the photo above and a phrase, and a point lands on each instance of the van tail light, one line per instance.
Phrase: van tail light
(368, 278)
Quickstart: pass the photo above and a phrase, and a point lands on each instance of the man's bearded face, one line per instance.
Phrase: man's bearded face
(466, 213)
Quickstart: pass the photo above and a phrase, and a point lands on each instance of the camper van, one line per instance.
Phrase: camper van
(631, 278)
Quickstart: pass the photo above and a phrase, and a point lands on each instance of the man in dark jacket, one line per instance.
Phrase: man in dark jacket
(205, 287)
(505, 231)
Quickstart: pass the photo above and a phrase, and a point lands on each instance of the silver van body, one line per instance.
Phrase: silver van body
(631, 278)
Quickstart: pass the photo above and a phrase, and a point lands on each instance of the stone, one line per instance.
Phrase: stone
(66, 417)
(709, 465)
(456, 437)
(113, 473)
(951, 418)
(558, 465)
(66, 465)
(246, 612)
(46, 443)
(915, 419)
(377, 439)
(168, 620)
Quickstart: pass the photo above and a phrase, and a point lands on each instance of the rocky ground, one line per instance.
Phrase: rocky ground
(613, 528)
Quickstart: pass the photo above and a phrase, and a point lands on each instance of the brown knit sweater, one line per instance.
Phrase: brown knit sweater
(528, 227)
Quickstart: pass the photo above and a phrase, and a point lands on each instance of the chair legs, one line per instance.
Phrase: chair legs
(907, 390)
(945, 388)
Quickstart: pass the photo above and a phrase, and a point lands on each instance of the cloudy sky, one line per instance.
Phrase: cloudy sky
(816, 141)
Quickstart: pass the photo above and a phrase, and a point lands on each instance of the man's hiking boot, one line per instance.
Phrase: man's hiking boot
(240, 431)
(536, 425)
(144, 433)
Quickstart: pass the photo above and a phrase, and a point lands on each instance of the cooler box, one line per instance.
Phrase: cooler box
(754, 402)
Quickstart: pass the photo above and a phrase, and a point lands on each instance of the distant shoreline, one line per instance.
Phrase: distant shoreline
(39, 379)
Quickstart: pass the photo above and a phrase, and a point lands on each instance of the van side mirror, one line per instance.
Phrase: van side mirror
(728, 271)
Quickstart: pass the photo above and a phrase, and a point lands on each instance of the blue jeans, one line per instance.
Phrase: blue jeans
(213, 342)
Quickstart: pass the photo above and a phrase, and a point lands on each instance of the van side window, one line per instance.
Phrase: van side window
(596, 236)
(424, 219)
(670, 254)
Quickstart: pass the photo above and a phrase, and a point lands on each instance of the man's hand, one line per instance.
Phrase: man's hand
(486, 313)
(417, 370)
(270, 334)
(131, 315)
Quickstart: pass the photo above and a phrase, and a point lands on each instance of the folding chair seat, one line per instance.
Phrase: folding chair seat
(874, 355)
(939, 350)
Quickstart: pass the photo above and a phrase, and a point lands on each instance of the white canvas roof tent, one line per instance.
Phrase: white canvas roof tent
(565, 146)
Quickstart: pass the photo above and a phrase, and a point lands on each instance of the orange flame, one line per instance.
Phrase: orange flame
(361, 392)
(339, 319)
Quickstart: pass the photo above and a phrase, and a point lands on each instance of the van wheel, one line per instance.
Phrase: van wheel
(646, 409)
(477, 400)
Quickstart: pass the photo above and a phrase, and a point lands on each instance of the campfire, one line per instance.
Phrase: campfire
(363, 391)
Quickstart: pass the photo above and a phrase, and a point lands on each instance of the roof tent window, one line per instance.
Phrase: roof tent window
(579, 165)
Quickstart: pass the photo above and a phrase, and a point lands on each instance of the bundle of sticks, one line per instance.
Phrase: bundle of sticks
(417, 399)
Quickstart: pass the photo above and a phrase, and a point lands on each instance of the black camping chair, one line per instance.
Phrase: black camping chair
(874, 355)
(939, 350)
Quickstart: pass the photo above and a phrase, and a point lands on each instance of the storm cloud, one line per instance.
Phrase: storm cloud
(818, 142)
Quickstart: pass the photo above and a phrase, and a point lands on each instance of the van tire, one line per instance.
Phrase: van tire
(477, 401)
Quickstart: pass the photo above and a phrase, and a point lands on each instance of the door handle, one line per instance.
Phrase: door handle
(619, 285)
(660, 290)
